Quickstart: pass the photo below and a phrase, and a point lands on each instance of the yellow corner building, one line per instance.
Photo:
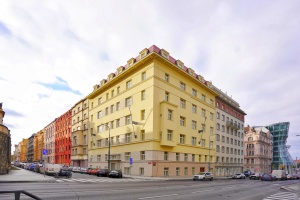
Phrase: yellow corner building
(158, 115)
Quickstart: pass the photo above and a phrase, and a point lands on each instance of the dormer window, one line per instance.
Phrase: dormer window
(180, 64)
(131, 62)
(164, 53)
(191, 71)
(144, 53)
(120, 69)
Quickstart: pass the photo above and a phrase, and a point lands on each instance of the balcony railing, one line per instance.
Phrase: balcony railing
(232, 125)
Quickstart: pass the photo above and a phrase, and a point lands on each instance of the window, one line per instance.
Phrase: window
(118, 90)
(203, 113)
(165, 155)
(218, 126)
(182, 86)
(185, 171)
(223, 149)
(217, 148)
(117, 123)
(170, 112)
(127, 155)
(128, 84)
(142, 134)
(166, 171)
(112, 107)
(218, 115)
(112, 93)
(211, 116)
(143, 95)
(193, 157)
(211, 130)
(106, 141)
(142, 114)
(167, 77)
(84, 139)
(100, 100)
(211, 144)
(107, 96)
(211, 102)
(127, 137)
(223, 118)
(194, 141)
(142, 171)
(142, 155)
(177, 156)
(193, 170)
(200, 158)
(106, 111)
(202, 143)
(182, 121)
(128, 101)
(182, 139)
(194, 125)
(203, 97)
(203, 127)
(223, 128)
(182, 103)
(143, 76)
(169, 135)
(185, 157)
(227, 140)
(98, 158)
(117, 106)
(218, 137)
(100, 129)
(118, 139)
(194, 109)
(112, 125)
(177, 171)
(166, 96)
(98, 143)
(194, 92)
(128, 119)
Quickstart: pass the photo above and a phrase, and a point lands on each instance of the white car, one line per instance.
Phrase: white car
(239, 176)
(203, 176)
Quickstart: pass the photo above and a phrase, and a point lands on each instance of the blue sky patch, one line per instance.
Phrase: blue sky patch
(60, 85)
(4, 30)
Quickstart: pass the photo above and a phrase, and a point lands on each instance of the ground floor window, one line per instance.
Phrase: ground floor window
(142, 171)
(166, 171)
(126, 170)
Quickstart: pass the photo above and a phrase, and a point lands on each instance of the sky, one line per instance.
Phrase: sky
(52, 53)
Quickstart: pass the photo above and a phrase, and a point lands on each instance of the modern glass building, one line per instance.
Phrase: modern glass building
(281, 157)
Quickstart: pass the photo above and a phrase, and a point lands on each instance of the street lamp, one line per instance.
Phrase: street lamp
(108, 160)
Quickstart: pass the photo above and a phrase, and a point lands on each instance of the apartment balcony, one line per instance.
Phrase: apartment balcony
(232, 125)
(115, 157)
(78, 144)
(79, 157)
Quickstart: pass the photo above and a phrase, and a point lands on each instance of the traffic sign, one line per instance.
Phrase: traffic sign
(45, 152)
(130, 161)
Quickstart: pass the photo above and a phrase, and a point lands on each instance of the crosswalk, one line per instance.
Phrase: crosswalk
(100, 180)
(282, 196)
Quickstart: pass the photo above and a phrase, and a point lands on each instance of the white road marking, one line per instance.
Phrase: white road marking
(167, 195)
(203, 191)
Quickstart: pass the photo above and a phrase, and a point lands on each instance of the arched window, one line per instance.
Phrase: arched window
(250, 138)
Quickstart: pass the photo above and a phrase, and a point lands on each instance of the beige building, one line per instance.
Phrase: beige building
(23, 150)
(258, 149)
(147, 116)
(49, 141)
(229, 136)
(38, 145)
(79, 135)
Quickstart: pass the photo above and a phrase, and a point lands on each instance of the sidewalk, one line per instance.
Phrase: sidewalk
(22, 175)
(295, 187)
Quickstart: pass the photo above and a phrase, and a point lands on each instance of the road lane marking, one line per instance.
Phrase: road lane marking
(203, 191)
(228, 187)
(167, 195)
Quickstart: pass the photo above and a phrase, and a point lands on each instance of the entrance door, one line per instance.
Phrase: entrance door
(202, 169)
(113, 166)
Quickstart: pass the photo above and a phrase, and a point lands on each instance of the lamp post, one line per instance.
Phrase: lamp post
(108, 159)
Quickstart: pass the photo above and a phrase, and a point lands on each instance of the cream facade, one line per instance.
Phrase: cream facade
(229, 136)
(79, 135)
(258, 149)
(152, 109)
(49, 141)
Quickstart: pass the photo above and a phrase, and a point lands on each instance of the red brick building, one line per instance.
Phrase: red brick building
(63, 138)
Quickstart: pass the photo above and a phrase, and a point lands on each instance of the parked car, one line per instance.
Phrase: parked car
(83, 170)
(256, 176)
(31, 167)
(93, 171)
(76, 169)
(247, 173)
(102, 172)
(239, 176)
(50, 169)
(65, 173)
(295, 176)
(70, 168)
(203, 176)
(115, 174)
(280, 174)
(268, 177)
(37, 168)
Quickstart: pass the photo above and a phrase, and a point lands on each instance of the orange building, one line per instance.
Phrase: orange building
(38, 145)
(63, 138)
(35, 148)
(23, 150)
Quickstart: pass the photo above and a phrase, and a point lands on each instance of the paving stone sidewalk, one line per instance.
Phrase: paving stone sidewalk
(23, 175)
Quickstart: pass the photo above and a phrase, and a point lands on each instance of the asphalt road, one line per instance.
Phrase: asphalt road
(145, 190)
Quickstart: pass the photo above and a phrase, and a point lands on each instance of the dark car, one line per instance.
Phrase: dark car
(268, 177)
(65, 173)
(115, 174)
(103, 172)
(31, 167)
(247, 173)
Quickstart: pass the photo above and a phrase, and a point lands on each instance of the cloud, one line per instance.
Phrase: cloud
(4, 30)
(13, 113)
